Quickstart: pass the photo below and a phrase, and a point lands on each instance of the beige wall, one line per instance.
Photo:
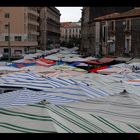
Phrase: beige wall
(20, 19)
(16, 19)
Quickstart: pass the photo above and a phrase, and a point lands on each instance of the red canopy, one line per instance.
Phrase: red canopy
(99, 68)
(47, 61)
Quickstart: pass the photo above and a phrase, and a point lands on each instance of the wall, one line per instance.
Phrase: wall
(135, 29)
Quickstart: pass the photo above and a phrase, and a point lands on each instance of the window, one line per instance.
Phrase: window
(25, 17)
(17, 38)
(7, 15)
(66, 31)
(6, 26)
(127, 45)
(111, 47)
(24, 28)
(17, 52)
(5, 50)
(128, 24)
(6, 38)
(112, 25)
(104, 33)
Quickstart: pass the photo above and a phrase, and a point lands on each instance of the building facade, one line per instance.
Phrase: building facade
(70, 30)
(49, 28)
(20, 25)
(121, 33)
(90, 31)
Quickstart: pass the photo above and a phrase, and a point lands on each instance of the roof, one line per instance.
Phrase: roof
(129, 14)
(70, 24)
(101, 61)
(94, 62)
(106, 16)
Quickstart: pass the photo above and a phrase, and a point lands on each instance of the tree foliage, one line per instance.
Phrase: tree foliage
(73, 42)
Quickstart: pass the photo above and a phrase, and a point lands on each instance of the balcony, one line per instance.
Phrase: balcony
(18, 43)
(13, 56)
(32, 22)
(33, 33)
(5, 55)
(127, 32)
(30, 11)
(111, 32)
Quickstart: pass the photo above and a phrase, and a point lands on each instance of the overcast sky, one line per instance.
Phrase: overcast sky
(70, 13)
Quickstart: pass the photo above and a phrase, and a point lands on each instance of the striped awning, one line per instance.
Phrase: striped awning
(49, 118)
(88, 103)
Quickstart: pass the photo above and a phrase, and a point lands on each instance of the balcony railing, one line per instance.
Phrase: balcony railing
(127, 32)
(30, 11)
(33, 22)
(13, 55)
(111, 32)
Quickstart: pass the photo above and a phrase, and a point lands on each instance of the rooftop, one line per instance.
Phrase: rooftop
(70, 24)
(129, 14)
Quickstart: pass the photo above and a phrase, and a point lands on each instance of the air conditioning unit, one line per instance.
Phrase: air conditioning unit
(124, 23)
(110, 40)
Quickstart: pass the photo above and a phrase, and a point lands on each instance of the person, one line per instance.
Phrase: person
(44, 102)
(43, 56)
(133, 69)
(124, 92)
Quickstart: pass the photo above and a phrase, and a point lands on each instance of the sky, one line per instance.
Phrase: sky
(72, 14)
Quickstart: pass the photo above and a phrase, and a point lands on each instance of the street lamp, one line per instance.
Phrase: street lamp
(9, 54)
(8, 27)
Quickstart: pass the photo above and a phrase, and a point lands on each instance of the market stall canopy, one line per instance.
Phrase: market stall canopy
(36, 68)
(135, 65)
(53, 57)
(19, 61)
(90, 58)
(114, 70)
(134, 61)
(94, 62)
(8, 68)
(30, 56)
(106, 60)
(82, 65)
(3, 63)
(101, 61)
(99, 68)
(123, 59)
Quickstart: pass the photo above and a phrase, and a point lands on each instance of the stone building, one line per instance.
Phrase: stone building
(105, 33)
(20, 25)
(49, 28)
(122, 33)
(69, 30)
(89, 27)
